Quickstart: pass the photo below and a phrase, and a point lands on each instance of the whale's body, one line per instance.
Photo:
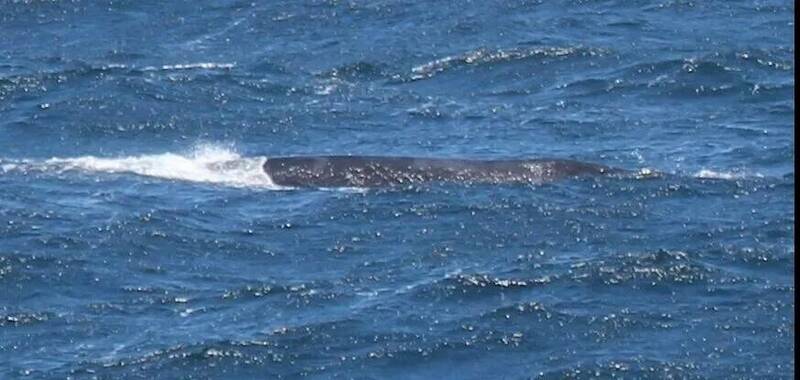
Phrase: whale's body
(378, 171)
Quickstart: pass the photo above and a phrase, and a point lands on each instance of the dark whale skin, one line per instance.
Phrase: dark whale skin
(380, 171)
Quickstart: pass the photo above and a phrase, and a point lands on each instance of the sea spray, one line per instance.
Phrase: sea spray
(205, 163)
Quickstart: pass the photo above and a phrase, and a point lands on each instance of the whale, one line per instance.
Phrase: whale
(385, 171)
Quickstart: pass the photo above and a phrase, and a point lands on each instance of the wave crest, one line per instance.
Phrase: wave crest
(486, 56)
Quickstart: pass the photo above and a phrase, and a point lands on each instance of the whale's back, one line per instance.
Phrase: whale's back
(376, 171)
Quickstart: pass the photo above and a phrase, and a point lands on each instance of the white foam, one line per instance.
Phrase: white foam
(485, 56)
(712, 174)
(191, 66)
(8, 166)
(205, 163)
(174, 67)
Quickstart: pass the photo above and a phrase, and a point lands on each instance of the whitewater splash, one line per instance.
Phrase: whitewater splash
(205, 163)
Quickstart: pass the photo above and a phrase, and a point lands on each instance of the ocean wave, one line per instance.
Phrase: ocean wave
(270, 352)
(42, 81)
(470, 285)
(639, 367)
(486, 56)
(357, 71)
(717, 74)
(81, 68)
(205, 163)
(190, 66)
(302, 293)
(654, 268)
(346, 76)
(23, 318)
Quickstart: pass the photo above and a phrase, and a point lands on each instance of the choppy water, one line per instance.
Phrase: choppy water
(140, 239)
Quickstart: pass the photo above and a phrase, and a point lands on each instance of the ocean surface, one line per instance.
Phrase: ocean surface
(140, 239)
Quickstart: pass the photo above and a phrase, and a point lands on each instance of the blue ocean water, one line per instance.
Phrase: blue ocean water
(139, 237)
